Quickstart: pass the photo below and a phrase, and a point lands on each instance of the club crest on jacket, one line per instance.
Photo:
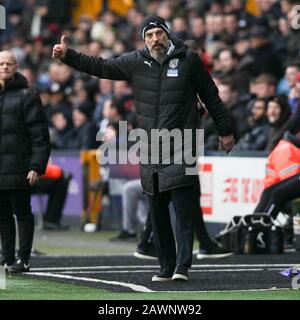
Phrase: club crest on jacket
(174, 63)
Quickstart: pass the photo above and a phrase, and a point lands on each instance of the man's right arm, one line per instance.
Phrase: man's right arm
(208, 93)
(115, 69)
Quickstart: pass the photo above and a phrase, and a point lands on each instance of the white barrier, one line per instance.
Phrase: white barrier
(230, 186)
(2, 278)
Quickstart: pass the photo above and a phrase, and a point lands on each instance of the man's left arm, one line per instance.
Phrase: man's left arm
(208, 93)
(37, 126)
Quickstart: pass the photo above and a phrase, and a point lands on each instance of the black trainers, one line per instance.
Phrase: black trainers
(19, 266)
(146, 252)
(123, 236)
(164, 275)
(49, 226)
(181, 273)
(5, 265)
(215, 250)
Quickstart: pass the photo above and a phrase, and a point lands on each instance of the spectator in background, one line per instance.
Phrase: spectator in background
(65, 78)
(278, 113)
(61, 129)
(269, 13)
(231, 27)
(80, 96)
(237, 110)
(241, 47)
(263, 86)
(229, 67)
(238, 7)
(14, 11)
(44, 92)
(134, 210)
(198, 29)
(211, 138)
(265, 58)
(54, 183)
(257, 137)
(106, 93)
(293, 37)
(288, 82)
(58, 100)
(294, 96)
(83, 135)
(112, 112)
(49, 15)
(94, 48)
(29, 75)
(121, 89)
(180, 28)
(282, 180)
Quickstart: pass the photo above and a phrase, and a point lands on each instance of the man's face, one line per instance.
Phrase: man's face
(273, 111)
(264, 90)
(225, 93)
(290, 75)
(227, 63)
(8, 66)
(156, 41)
(258, 110)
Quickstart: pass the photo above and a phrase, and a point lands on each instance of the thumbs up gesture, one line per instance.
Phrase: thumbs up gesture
(59, 50)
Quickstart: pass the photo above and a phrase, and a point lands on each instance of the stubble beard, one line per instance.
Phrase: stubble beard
(159, 54)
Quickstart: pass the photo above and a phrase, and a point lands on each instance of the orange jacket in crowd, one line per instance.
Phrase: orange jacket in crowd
(283, 163)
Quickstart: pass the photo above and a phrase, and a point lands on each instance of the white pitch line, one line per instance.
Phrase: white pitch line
(226, 291)
(156, 266)
(151, 271)
(134, 287)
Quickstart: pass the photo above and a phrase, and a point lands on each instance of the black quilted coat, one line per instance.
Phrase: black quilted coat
(165, 98)
(24, 136)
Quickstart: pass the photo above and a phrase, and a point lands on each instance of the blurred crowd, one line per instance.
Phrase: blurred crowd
(250, 47)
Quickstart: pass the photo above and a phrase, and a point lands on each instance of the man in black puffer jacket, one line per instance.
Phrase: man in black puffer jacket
(24, 153)
(166, 78)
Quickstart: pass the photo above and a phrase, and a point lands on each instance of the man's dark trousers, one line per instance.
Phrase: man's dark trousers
(16, 202)
(57, 190)
(185, 200)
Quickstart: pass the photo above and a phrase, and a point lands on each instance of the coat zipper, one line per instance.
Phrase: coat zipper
(158, 100)
(1, 108)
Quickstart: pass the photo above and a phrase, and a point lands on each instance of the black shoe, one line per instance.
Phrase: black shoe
(164, 275)
(49, 226)
(5, 265)
(146, 252)
(215, 250)
(181, 273)
(19, 266)
(124, 235)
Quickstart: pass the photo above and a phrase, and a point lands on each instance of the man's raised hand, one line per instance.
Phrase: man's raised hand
(59, 50)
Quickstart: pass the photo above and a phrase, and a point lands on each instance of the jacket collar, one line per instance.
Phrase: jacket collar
(18, 81)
